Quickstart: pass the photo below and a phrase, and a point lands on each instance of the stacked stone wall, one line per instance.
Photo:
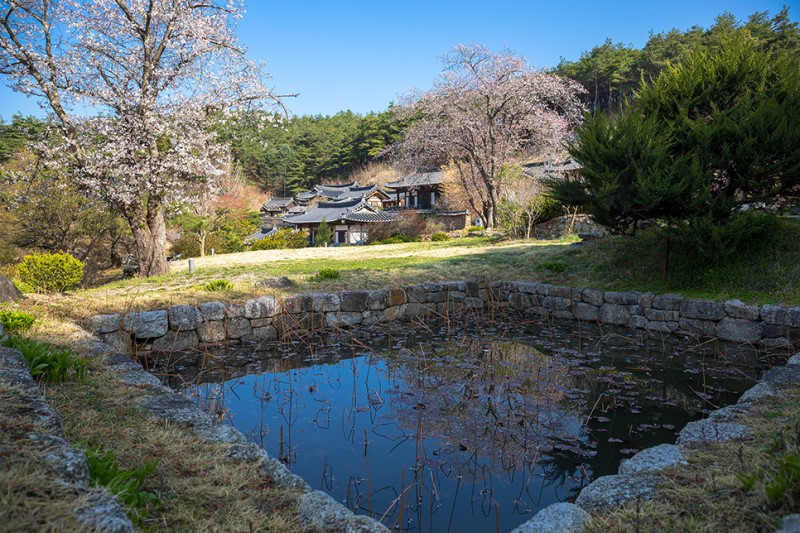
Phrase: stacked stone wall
(186, 327)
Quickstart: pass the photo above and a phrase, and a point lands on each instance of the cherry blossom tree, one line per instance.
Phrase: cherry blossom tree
(487, 109)
(152, 73)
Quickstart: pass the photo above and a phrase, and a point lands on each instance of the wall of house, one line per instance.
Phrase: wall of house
(184, 327)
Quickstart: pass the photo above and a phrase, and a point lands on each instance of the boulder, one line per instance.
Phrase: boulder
(653, 459)
(8, 291)
(184, 318)
(103, 323)
(281, 282)
(738, 330)
(609, 492)
(556, 518)
(146, 324)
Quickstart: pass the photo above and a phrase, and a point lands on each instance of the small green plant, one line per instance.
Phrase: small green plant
(125, 484)
(217, 285)
(440, 236)
(475, 229)
(553, 266)
(47, 362)
(51, 272)
(784, 482)
(16, 322)
(325, 274)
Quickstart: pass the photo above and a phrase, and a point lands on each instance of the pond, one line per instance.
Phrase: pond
(436, 429)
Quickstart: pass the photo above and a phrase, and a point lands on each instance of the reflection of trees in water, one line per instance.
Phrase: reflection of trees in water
(480, 412)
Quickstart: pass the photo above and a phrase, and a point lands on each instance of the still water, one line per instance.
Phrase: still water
(437, 430)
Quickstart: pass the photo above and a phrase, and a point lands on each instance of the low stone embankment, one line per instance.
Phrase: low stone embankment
(185, 327)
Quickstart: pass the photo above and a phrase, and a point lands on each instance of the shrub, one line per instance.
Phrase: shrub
(51, 272)
(440, 236)
(217, 285)
(285, 238)
(325, 274)
(16, 322)
(125, 484)
(475, 229)
(324, 234)
(408, 223)
(47, 362)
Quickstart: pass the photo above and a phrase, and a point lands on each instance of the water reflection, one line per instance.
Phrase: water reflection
(473, 431)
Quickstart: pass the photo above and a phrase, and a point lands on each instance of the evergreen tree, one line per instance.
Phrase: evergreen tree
(711, 137)
(324, 234)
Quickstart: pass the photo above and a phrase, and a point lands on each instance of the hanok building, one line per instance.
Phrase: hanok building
(349, 219)
(418, 190)
(276, 207)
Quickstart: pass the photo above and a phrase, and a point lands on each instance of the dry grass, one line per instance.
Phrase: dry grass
(707, 496)
(29, 499)
(201, 490)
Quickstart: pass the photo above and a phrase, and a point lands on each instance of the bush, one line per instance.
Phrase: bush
(47, 362)
(217, 285)
(475, 229)
(51, 272)
(285, 238)
(407, 224)
(325, 274)
(440, 236)
(16, 322)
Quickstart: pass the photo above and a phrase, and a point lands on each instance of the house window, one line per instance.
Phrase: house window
(433, 198)
(341, 236)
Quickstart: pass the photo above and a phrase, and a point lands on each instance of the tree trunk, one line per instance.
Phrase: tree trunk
(150, 235)
(202, 242)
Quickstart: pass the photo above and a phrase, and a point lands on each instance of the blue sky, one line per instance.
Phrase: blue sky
(361, 55)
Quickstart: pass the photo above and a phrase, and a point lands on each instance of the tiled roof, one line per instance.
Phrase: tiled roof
(306, 195)
(420, 177)
(261, 234)
(276, 204)
(371, 216)
(329, 211)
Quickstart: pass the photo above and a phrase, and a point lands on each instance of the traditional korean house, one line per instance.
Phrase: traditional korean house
(350, 220)
(418, 190)
(541, 171)
(275, 207)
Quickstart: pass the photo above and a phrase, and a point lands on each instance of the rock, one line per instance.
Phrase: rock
(281, 282)
(738, 330)
(234, 310)
(667, 302)
(277, 472)
(584, 311)
(236, 328)
(146, 324)
(184, 318)
(300, 303)
(142, 379)
(176, 408)
(396, 297)
(69, 464)
(377, 300)
(661, 315)
(694, 326)
(592, 296)
(177, 341)
(212, 331)
(615, 314)
(773, 314)
(757, 392)
(782, 376)
(738, 309)
(711, 430)
(353, 301)
(263, 307)
(269, 333)
(212, 310)
(790, 524)
(247, 452)
(103, 323)
(621, 298)
(104, 514)
(653, 459)
(119, 341)
(319, 510)
(325, 303)
(637, 322)
(416, 294)
(794, 360)
(344, 318)
(12, 359)
(702, 309)
(609, 492)
(556, 518)
(8, 291)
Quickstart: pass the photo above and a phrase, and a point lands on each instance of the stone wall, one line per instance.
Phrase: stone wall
(185, 327)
